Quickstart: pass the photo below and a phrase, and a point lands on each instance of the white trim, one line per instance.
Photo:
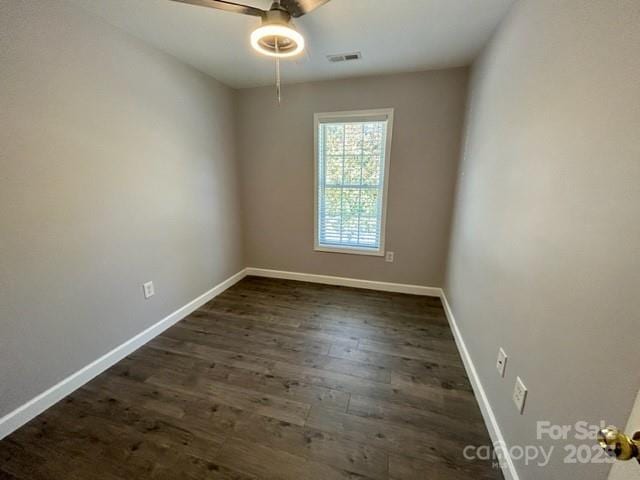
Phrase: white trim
(371, 115)
(346, 282)
(40, 403)
(363, 115)
(21, 415)
(508, 468)
(351, 251)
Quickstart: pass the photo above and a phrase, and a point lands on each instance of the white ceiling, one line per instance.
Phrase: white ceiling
(393, 36)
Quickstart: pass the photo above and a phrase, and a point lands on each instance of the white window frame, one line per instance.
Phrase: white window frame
(356, 115)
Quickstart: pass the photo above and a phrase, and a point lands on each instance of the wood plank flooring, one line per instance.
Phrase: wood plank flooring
(273, 379)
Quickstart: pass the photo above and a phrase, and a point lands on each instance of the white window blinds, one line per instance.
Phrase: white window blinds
(352, 164)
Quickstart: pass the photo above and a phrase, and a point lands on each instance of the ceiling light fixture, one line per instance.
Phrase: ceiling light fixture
(276, 37)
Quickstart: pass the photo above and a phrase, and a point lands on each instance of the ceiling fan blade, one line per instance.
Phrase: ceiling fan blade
(297, 8)
(227, 6)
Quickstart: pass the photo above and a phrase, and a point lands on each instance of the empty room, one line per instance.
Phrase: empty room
(319, 239)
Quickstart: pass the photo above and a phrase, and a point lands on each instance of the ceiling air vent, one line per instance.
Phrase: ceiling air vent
(344, 57)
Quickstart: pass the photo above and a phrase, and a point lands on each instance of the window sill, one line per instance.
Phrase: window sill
(351, 251)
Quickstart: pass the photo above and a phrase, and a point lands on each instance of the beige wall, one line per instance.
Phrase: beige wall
(276, 154)
(116, 167)
(545, 255)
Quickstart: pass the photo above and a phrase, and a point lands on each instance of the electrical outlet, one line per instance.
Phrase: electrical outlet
(501, 364)
(389, 256)
(519, 394)
(148, 289)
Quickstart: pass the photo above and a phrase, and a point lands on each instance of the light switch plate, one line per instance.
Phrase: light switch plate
(501, 363)
(148, 289)
(389, 256)
(519, 394)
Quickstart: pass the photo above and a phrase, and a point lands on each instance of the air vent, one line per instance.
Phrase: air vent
(344, 57)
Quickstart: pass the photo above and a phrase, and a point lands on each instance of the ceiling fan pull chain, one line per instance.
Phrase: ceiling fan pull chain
(278, 89)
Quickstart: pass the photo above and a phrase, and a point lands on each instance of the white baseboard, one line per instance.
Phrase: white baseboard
(346, 282)
(40, 403)
(14, 420)
(508, 468)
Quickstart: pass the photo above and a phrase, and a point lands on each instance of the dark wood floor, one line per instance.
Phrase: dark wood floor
(273, 379)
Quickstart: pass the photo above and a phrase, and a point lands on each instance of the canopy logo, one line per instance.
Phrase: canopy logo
(578, 446)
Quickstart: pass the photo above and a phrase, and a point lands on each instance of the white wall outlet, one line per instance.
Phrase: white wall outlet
(389, 256)
(501, 364)
(519, 394)
(148, 289)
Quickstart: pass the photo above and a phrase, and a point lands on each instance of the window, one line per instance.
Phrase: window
(352, 169)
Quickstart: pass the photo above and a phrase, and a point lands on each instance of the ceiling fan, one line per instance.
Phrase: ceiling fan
(276, 36)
